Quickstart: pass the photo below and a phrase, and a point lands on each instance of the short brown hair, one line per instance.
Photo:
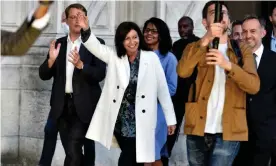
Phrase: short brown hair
(77, 6)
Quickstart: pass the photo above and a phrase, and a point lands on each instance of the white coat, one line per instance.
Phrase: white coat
(151, 86)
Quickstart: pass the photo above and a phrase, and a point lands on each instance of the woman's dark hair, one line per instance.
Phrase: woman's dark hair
(123, 29)
(165, 40)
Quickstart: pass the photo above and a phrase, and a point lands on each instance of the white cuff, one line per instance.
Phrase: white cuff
(39, 23)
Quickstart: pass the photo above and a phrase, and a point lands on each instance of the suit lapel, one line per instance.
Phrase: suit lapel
(142, 68)
(62, 55)
(123, 71)
(263, 62)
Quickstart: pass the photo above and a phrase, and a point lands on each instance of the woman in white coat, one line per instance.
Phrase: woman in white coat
(134, 82)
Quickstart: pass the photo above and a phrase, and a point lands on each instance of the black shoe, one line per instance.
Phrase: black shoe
(165, 161)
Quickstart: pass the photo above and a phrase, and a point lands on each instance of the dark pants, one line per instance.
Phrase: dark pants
(273, 160)
(211, 150)
(256, 152)
(273, 156)
(64, 124)
(50, 139)
(128, 148)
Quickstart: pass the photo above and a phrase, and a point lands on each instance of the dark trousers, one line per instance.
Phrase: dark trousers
(256, 152)
(128, 151)
(50, 139)
(51, 130)
(273, 156)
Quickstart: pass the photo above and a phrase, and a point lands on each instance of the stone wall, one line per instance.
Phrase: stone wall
(25, 98)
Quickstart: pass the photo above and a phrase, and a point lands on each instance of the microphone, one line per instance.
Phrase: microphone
(218, 18)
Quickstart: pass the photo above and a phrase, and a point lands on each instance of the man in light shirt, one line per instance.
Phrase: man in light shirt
(269, 40)
(215, 117)
(75, 90)
(19, 42)
(261, 107)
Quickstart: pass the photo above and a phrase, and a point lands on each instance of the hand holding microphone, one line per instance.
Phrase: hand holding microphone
(215, 31)
(218, 18)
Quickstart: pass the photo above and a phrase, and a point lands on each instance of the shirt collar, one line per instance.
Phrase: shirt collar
(272, 35)
(259, 51)
(78, 41)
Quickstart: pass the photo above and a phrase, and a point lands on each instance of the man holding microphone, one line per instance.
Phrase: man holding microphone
(215, 120)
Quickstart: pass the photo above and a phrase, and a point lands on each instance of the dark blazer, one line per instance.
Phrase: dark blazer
(86, 88)
(261, 107)
(18, 43)
(267, 40)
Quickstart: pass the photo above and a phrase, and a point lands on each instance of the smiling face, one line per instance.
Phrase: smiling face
(151, 34)
(237, 33)
(131, 42)
(253, 33)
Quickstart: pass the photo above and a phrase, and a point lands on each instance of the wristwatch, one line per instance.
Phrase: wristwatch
(46, 2)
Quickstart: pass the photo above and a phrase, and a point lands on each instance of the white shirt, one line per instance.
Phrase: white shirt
(69, 66)
(259, 53)
(216, 100)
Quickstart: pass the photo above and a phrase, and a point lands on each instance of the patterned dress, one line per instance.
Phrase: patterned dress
(125, 124)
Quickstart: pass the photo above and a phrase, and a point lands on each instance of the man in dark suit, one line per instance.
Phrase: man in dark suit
(50, 139)
(185, 29)
(76, 88)
(19, 42)
(261, 107)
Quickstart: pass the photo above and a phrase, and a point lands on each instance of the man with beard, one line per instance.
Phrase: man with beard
(261, 107)
(215, 117)
(269, 40)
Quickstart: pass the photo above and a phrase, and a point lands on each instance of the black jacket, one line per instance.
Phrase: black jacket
(261, 107)
(86, 88)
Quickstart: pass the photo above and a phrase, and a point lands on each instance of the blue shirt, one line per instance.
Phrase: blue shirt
(273, 43)
(169, 63)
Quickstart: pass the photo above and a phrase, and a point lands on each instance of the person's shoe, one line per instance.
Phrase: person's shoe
(165, 161)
